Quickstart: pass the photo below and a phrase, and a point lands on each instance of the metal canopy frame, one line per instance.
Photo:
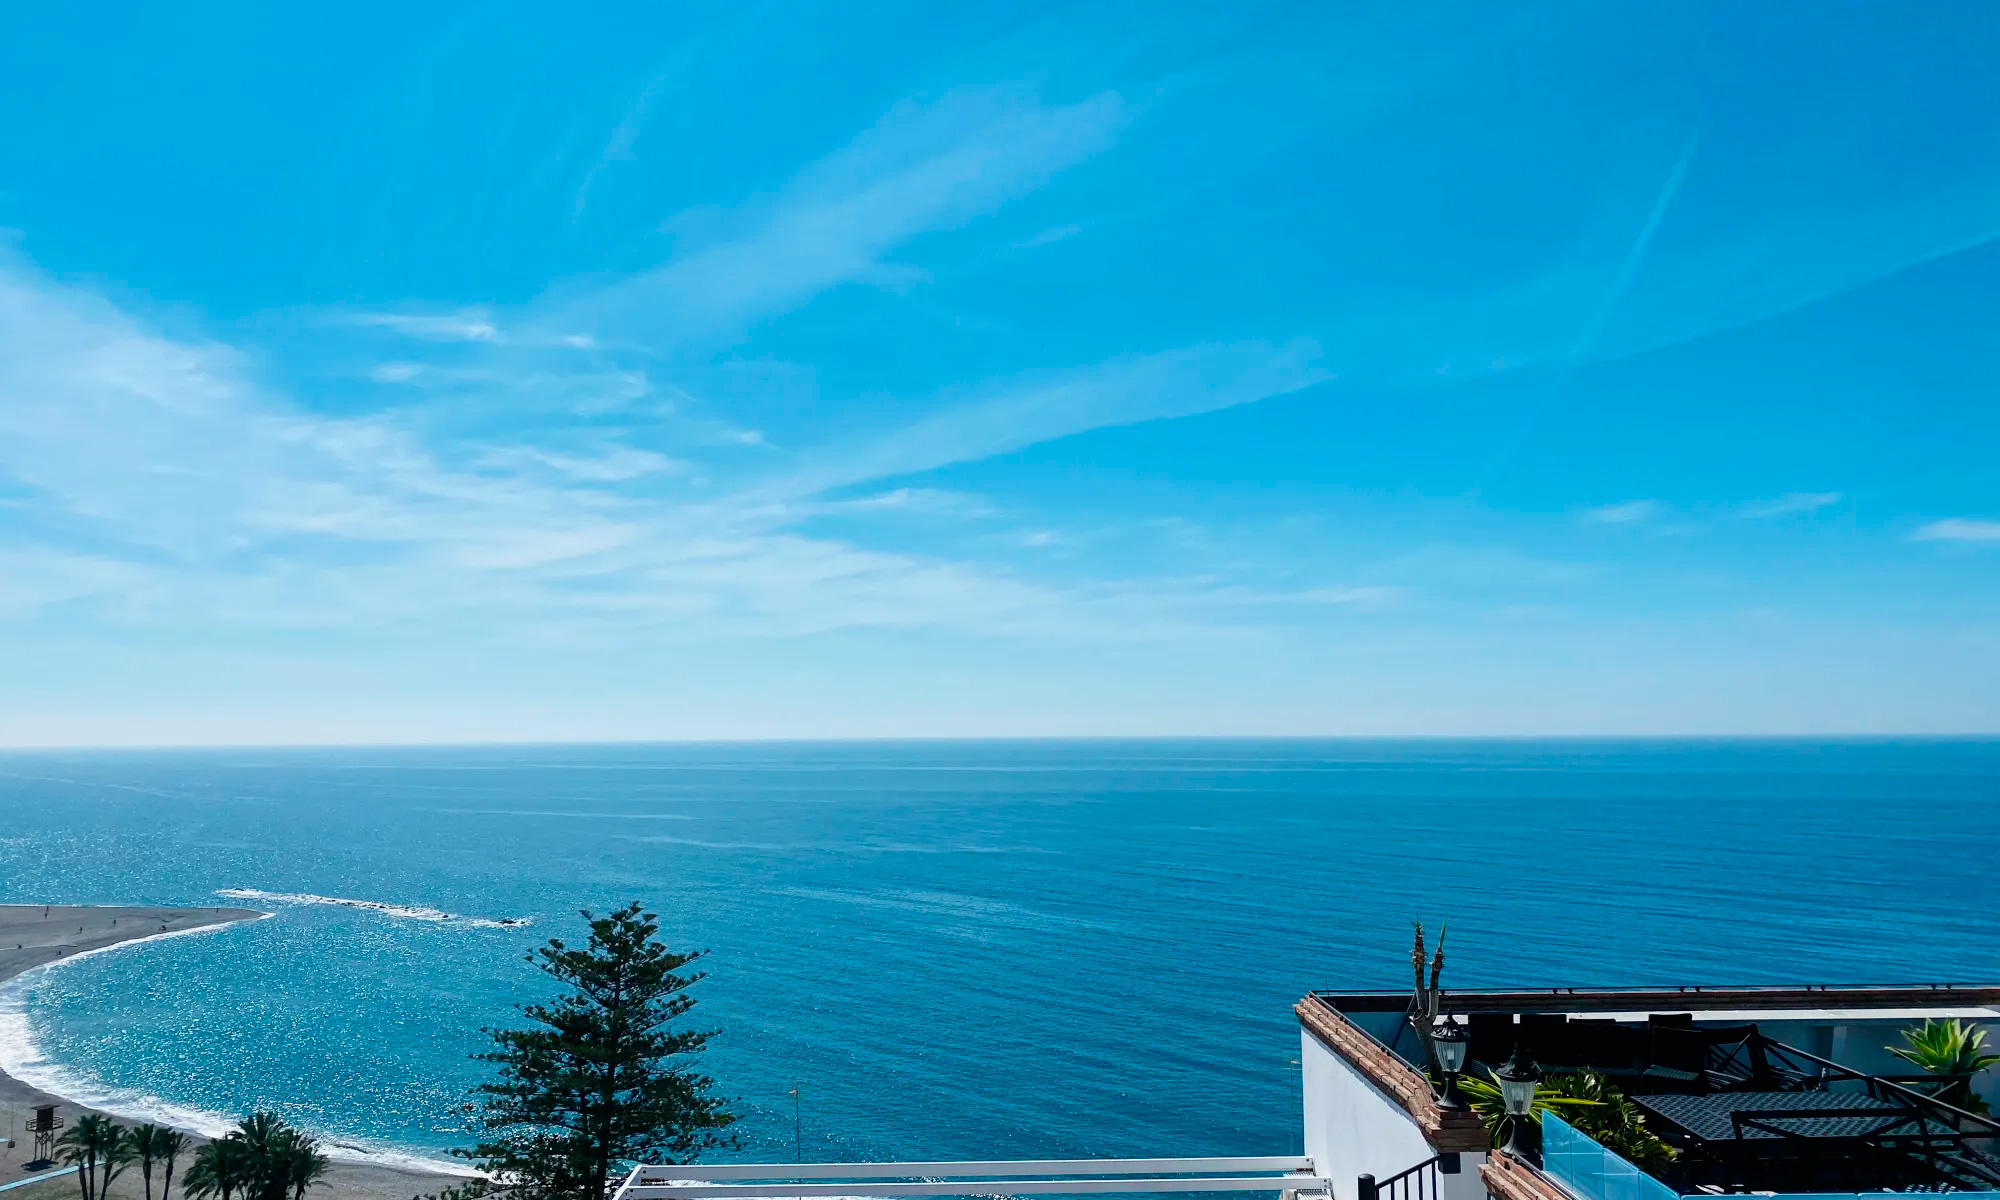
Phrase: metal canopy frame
(1087, 1176)
(1918, 1140)
(1934, 1142)
(1923, 1140)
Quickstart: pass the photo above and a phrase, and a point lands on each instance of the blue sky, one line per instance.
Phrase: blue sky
(510, 371)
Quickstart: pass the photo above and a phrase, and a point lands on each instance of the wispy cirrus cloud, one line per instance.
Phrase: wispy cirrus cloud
(1629, 512)
(1049, 237)
(205, 495)
(924, 166)
(1357, 595)
(523, 381)
(619, 146)
(604, 463)
(913, 501)
(473, 325)
(1960, 529)
(1791, 504)
(33, 577)
(971, 424)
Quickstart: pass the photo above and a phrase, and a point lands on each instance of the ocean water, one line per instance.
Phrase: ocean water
(952, 950)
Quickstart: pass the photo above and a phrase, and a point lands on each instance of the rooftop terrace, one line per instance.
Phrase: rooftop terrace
(1755, 1089)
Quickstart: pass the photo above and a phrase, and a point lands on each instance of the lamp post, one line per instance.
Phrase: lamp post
(1448, 1041)
(1517, 1078)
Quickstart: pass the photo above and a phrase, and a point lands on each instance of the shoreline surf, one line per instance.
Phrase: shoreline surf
(408, 912)
(44, 942)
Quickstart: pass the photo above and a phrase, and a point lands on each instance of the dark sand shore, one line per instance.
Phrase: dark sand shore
(31, 935)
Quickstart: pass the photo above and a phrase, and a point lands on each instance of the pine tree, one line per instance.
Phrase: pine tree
(596, 1084)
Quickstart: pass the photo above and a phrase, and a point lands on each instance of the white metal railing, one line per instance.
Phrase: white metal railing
(1015, 1177)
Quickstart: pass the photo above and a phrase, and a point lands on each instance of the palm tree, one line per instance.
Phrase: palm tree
(262, 1131)
(169, 1144)
(79, 1148)
(146, 1143)
(145, 1148)
(305, 1165)
(113, 1156)
(99, 1150)
(263, 1158)
(201, 1178)
(261, 1135)
(267, 1143)
(219, 1170)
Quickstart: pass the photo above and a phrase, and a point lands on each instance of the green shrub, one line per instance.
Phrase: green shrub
(1586, 1100)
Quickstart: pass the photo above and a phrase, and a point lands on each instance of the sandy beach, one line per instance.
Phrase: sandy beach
(32, 935)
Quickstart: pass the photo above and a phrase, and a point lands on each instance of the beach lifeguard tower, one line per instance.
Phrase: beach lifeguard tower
(44, 1125)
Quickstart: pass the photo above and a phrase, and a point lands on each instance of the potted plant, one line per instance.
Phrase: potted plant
(1588, 1101)
(1954, 1052)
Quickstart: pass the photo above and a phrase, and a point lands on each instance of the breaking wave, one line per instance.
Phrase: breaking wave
(22, 1057)
(407, 912)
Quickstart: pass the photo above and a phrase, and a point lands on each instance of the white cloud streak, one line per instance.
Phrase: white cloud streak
(204, 495)
(923, 167)
(1012, 414)
(1049, 237)
(208, 498)
(1630, 512)
(604, 464)
(1960, 529)
(1792, 504)
(470, 326)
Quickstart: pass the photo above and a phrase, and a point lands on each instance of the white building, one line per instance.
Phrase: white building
(1721, 1074)
(1756, 1090)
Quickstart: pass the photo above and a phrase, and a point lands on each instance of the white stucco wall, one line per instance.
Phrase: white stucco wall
(1353, 1128)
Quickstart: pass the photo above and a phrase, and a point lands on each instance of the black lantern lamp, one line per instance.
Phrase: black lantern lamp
(1449, 1042)
(1517, 1077)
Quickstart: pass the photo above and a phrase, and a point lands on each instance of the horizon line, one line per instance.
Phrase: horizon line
(945, 739)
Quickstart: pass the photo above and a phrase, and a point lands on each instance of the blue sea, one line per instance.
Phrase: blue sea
(953, 950)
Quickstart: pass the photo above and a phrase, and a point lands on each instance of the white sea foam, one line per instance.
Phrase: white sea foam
(21, 1056)
(407, 912)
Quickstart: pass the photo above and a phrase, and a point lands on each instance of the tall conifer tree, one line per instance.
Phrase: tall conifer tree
(600, 1081)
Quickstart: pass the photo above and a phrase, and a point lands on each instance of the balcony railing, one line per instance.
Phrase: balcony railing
(1573, 1158)
(1421, 1182)
(1016, 1177)
(1589, 1171)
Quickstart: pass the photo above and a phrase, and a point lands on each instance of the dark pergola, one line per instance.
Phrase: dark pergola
(1764, 1116)
(1743, 1111)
